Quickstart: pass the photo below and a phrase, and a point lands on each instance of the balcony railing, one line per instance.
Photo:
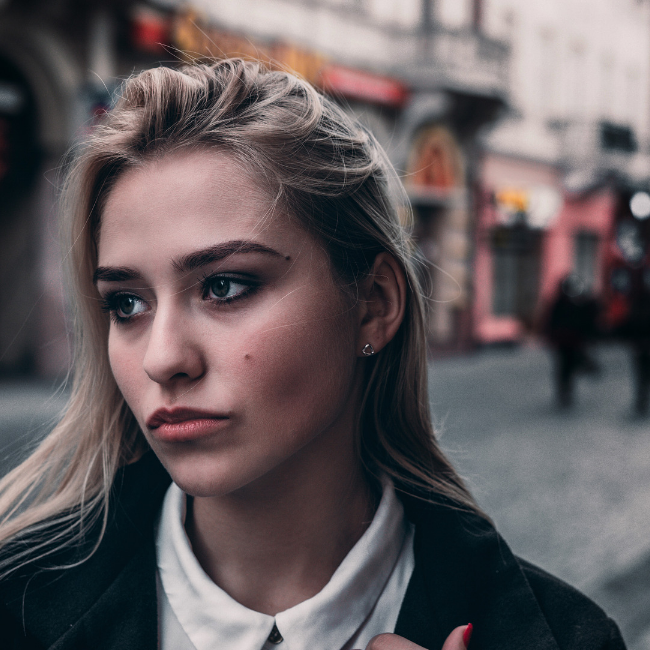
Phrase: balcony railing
(461, 60)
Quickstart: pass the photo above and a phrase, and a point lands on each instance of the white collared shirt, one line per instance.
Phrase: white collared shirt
(362, 598)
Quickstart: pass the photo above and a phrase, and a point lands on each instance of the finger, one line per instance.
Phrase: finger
(394, 642)
(458, 639)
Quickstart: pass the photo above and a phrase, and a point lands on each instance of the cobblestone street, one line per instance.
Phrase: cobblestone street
(568, 490)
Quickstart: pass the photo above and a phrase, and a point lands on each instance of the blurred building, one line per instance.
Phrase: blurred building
(424, 82)
(559, 172)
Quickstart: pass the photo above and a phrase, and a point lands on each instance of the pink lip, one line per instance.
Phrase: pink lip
(183, 424)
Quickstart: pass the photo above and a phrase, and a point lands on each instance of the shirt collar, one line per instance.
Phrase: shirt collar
(211, 618)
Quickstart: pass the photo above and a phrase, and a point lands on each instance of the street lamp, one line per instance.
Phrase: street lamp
(640, 205)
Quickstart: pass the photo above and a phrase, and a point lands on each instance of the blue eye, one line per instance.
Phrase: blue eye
(123, 306)
(223, 289)
(127, 306)
(220, 287)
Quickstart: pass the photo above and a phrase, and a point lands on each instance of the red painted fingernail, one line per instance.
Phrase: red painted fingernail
(467, 634)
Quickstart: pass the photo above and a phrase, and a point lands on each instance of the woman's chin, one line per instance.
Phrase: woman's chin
(211, 477)
(202, 479)
(209, 486)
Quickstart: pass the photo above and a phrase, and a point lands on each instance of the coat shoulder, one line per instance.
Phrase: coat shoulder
(466, 572)
(84, 591)
(574, 619)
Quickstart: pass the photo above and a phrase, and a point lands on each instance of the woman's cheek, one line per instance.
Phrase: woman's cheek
(126, 363)
(300, 363)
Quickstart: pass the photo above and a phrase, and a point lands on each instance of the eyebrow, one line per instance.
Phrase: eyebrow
(189, 262)
(115, 274)
(218, 252)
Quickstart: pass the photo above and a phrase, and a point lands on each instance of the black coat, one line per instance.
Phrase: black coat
(464, 573)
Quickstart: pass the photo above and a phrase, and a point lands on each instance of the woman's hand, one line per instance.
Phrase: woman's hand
(457, 640)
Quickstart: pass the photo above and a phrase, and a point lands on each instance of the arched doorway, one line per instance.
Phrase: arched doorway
(20, 160)
(437, 184)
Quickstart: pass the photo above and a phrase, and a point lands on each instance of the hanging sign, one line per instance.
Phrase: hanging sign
(149, 29)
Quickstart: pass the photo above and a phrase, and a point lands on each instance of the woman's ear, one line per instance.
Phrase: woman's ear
(383, 301)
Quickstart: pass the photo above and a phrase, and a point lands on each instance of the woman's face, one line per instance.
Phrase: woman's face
(229, 338)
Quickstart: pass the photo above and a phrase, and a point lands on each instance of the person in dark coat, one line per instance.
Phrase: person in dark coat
(247, 459)
(571, 325)
(635, 331)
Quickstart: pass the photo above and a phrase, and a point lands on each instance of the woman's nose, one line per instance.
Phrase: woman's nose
(172, 352)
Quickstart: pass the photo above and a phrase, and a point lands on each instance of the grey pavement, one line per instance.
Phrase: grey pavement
(28, 411)
(569, 491)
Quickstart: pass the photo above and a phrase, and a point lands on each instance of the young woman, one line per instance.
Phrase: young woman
(247, 459)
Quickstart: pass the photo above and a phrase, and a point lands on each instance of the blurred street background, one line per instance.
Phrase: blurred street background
(521, 130)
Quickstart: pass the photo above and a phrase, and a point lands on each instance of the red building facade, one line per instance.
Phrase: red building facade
(531, 233)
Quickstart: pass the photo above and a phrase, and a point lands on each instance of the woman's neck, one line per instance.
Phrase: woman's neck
(276, 543)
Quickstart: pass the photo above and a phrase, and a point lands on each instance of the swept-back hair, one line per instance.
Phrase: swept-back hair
(323, 169)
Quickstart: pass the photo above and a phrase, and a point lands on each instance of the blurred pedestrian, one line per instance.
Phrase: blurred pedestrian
(635, 330)
(571, 324)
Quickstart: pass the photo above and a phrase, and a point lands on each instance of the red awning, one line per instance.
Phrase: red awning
(358, 84)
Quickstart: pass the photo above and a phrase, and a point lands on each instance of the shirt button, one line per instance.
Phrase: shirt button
(275, 637)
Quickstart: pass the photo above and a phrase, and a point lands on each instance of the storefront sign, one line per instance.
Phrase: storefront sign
(537, 206)
(195, 38)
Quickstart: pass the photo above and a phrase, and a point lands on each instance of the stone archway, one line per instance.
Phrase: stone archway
(40, 75)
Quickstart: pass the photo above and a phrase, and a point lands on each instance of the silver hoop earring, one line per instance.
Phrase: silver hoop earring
(368, 350)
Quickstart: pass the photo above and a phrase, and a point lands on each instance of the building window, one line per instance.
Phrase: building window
(477, 15)
(516, 252)
(505, 279)
(585, 258)
(617, 137)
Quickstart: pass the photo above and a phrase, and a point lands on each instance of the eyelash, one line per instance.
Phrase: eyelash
(110, 305)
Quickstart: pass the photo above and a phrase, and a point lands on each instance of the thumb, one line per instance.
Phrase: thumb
(459, 638)
(388, 641)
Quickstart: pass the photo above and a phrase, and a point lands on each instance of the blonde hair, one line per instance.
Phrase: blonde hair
(325, 170)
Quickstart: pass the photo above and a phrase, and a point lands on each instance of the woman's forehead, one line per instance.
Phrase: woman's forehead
(194, 176)
(188, 193)
(194, 201)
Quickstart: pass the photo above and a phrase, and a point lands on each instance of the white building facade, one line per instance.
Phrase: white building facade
(574, 64)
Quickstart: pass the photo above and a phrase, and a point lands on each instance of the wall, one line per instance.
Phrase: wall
(581, 60)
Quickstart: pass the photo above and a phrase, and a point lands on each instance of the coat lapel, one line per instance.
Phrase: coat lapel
(466, 573)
